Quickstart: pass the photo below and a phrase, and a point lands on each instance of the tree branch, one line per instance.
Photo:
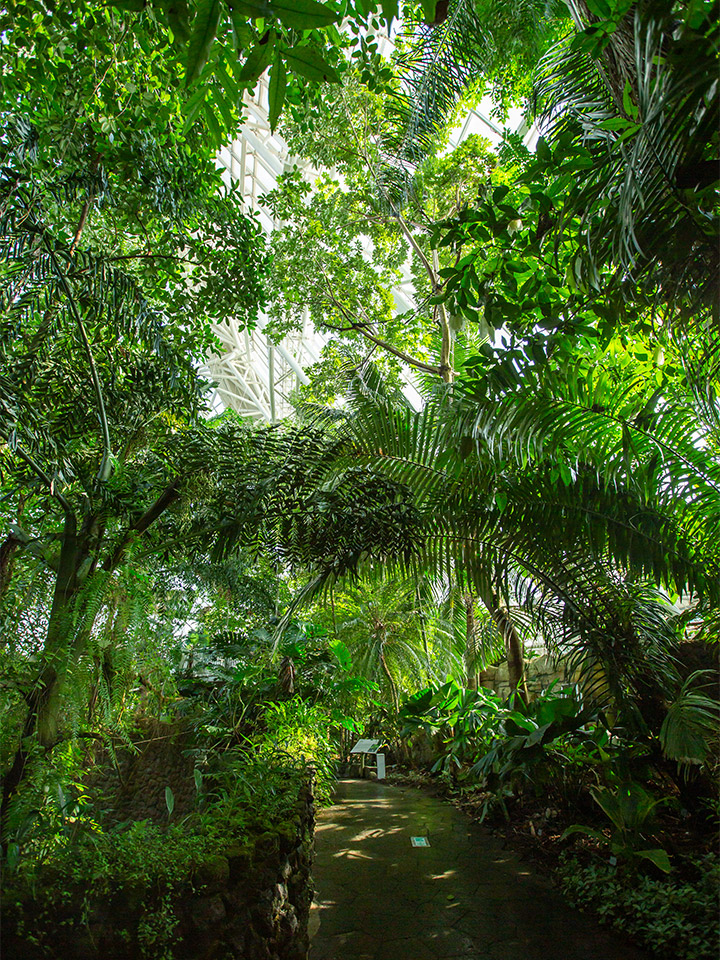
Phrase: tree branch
(170, 494)
(361, 328)
(418, 250)
(81, 225)
(105, 467)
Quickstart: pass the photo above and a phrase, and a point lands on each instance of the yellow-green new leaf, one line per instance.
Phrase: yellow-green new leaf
(276, 91)
(204, 30)
(309, 64)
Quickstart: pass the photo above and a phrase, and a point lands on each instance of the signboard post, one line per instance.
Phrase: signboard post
(371, 747)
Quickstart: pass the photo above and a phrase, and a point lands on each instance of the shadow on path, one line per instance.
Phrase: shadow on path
(464, 896)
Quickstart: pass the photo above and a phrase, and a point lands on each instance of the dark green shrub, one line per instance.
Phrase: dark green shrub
(674, 916)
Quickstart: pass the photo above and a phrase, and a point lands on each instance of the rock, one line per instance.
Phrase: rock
(208, 912)
(214, 871)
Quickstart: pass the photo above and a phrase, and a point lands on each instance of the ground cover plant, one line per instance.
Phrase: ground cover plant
(488, 535)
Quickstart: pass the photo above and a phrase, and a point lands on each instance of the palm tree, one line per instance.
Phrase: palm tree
(394, 640)
(509, 527)
(640, 95)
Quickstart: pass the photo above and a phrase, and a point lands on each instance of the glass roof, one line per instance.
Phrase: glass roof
(255, 376)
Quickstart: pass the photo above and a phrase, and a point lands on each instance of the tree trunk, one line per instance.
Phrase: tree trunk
(393, 687)
(423, 631)
(471, 680)
(8, 549)
(446, 368)
(513, 643)
(43, 700)
(46, 703)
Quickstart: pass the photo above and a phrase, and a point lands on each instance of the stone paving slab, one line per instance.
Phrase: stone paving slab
(463, 898)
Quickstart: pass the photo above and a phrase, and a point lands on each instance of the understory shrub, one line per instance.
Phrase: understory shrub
(674, 916)
(71, 858)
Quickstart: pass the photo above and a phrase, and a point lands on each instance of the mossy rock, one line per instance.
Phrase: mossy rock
(214, 870)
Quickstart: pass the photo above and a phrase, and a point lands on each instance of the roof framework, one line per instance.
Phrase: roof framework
(254, 375)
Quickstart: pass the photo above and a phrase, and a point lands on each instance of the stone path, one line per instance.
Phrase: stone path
(462, 898)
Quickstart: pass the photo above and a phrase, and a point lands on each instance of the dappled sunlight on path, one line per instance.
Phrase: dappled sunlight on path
(464, 896)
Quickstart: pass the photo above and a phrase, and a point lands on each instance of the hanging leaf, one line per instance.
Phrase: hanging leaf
(193, 106)
(300, 14)
(659, 857)
(212, 122)
(179, 19)
(198, 777)
(276, 93)
(242, 31)
(259, 59)
(169, 800)
(204, 30)
(543, 150)
(309, 64)
(390, 10)
(224, 108)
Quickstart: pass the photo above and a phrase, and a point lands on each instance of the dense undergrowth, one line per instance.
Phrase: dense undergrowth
(630, 837)
(674, 916)
(72, 858)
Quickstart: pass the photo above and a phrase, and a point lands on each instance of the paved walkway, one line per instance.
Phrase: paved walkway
(462, 898)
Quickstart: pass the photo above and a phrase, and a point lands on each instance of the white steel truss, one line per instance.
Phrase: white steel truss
(254, 375)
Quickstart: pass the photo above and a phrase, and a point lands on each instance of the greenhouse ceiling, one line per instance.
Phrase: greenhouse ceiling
(256, 374)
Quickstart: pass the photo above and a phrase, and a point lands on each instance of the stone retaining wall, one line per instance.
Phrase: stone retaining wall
(249, 902)
(539, 674)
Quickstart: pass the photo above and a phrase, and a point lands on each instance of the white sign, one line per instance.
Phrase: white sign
(366, 746)
(420, 841)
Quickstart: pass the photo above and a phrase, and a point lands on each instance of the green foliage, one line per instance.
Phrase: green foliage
(506, 747)
(301, 731)
(675, 916)
(690, 724)
(630, 810)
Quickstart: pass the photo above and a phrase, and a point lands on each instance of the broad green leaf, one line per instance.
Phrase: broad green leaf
(580, 828)
(629, 105)
(194, 105)
(300, 14)
(309, 64)
(223, 107)
(178, 16)
(169, 800)
(276, 92)
(428, 7)
(204, 30)
(500, 192)
(258, 59)
(242, 31)
(134, 6)
(659, 857)
(198, 777)
(303, 14)
(601, 8)
(390, 10)
(543, 150)
(342, 654)
(212, 122)
(228, 84)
